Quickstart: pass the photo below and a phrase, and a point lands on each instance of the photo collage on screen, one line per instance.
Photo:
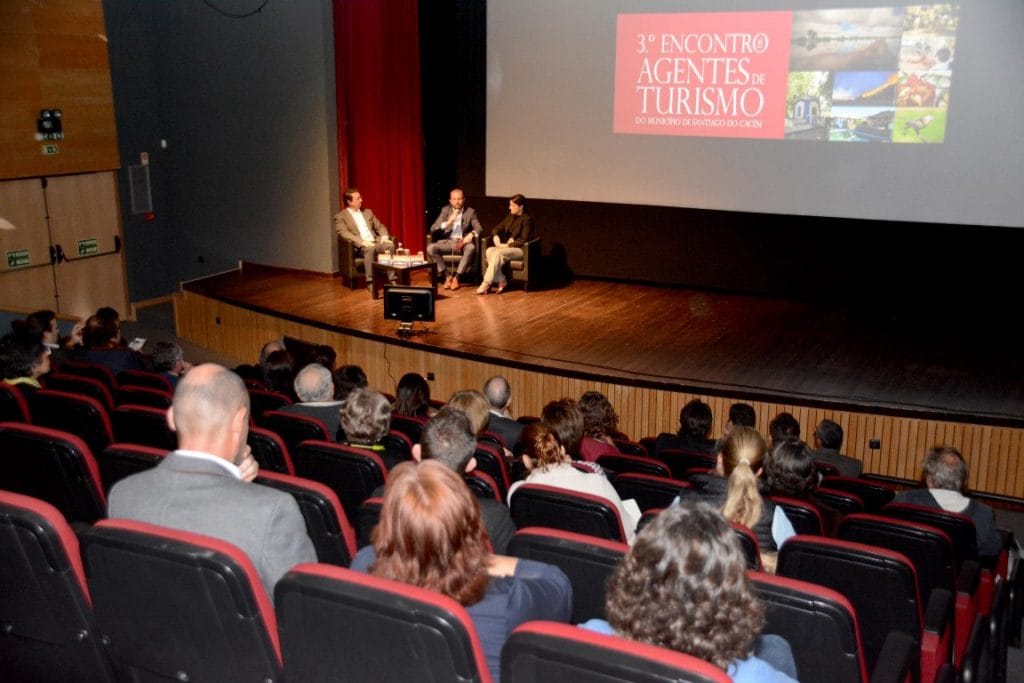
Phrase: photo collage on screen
(871, 75)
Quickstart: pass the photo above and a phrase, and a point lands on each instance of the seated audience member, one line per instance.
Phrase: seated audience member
(347, 378)
(789, 471)
(279, 374)
(499, 395)
(101, 345)
(314, 388)
(695, 421)
(740, 415)
(431, 535)
(203, 487)
(365, 419)
(254, 373)
(828, 439)
(475, 406)
(24, 358)
(782, 427)
(599, 423)
(325, 355)
(735, 490)
(683, 585)
(565, 420)
(169, 361)
(448, 438)
(412, 396)
(945, 476)
(548, 463)
(44, 324)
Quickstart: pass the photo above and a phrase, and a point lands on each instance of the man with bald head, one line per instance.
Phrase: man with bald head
(204, 486)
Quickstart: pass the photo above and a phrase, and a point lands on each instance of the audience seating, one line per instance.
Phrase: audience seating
(555, 508)
(49, 630)
(96, 371)
(13, 406)
(803, 515)
(749, 545)
(143, 396)
(493, 438)
(931, 551)
(80, 415)
(352, 473)
(412, 427)
(826, 469)
(527, 419)
(120, 460)
(586, 560)
(262, 400)
(682, 463)
(999, 630)
(326, 523)
(821, 627)
(336, 624)
(173, 605)
(270, 451)
(883, 588)
(491, 460)
(617, 464)
(647, 490)
(627, 447)
(143, 425)
(367, 517)
(398, 442)
(54, 466)
(550, 652)
(842, 502)
(483, 485)
(977, 665)
(294, 428)
(82, 386)
(144, 378)
(873, 494)
(961, 531)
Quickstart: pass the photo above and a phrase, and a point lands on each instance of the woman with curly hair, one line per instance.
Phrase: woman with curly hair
(684, 586)
(600, 422)
(431, 535)
(412, 397)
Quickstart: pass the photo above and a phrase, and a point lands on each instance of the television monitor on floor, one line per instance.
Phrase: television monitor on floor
(409, 304)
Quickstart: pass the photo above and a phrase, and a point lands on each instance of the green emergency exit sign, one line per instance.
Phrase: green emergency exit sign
(88, 246)
(18, 259)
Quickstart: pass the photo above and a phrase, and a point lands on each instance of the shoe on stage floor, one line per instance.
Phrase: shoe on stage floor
(455, 283)
(483, 288)
(448, 282)
(501, 287)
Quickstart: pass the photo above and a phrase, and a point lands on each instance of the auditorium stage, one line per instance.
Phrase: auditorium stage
(762, 349)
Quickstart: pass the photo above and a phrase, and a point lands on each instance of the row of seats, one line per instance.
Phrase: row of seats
(95, 613)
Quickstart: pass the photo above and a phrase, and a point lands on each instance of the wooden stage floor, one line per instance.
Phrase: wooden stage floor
(754, 348)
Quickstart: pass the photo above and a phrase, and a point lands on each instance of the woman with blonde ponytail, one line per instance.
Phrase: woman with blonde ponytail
(735, 489)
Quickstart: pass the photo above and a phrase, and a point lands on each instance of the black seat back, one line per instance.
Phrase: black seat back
(352, 473)
(270, 451)
(647, 490)
(83, 416)
(120, 460)
(143, 425)
(294, 428)
(555, 508)
(873, 494)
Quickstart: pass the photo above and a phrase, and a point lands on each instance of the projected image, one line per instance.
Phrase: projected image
(846, 39)
(861, 124)
(923, 90)
(864, 87)
(929, 38)
(808, 105)
(920, 126)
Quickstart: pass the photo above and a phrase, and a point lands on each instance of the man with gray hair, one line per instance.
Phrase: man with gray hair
(169, 360)
(314, 385)
(499, 395)
(945, 475)
(828, 439)
(204, 486)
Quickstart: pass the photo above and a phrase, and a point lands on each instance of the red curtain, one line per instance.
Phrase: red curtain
(380, 126)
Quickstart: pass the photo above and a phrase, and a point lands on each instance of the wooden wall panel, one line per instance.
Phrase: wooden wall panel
(992, 452)
(53, 54)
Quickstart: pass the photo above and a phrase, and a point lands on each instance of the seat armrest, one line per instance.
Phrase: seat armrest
(938, 612)
(967, 594)
(897, 661)
(937, 633)
(969, 577)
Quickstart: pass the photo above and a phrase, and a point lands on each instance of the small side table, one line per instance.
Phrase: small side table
(382, 271)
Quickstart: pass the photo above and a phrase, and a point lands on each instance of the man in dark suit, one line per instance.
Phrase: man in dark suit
(499, 395)
(456, 230)
(314, 387)
(366, 233)
(204, 486)
(828, 439)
